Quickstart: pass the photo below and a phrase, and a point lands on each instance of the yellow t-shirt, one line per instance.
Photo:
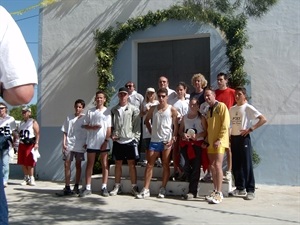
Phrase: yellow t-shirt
(218, 122)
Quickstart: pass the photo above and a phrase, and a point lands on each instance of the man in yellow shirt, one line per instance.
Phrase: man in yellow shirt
(218, 122)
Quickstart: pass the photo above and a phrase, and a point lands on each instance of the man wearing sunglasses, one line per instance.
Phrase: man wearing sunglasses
(134, 98)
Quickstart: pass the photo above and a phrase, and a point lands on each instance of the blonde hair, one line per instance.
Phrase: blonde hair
(201, 77)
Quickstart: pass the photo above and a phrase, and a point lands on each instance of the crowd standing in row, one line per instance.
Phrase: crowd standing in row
(198, 128)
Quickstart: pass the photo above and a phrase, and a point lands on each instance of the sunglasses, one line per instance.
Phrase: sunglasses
(161, 96)
(2, 107)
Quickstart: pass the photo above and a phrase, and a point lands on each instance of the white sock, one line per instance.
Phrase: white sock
(104, 186)
(117, 185)
(88, 187)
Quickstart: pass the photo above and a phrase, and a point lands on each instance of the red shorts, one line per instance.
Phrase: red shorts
(25, 156)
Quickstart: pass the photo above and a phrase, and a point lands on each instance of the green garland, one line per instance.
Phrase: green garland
(108, 41)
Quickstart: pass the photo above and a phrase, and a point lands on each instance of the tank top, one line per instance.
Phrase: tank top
(162, 125)
(26, 129)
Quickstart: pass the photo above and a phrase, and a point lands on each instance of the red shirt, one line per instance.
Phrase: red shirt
(226, 96)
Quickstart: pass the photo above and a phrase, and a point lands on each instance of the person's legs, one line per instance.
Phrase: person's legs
(132, 171)
(67, 164)
(151, 157)
(3, 202)
(166, 154)
(248, 166)
(104, 165)
(195, 171)
(5, 166)
(89, 168)
(237, 157)
(78, 172)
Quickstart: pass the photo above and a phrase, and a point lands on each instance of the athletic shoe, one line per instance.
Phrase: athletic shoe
(5, 184)
(85, 192)
(144, 163)
(217, 198)
(65, 192)
(162, 192)
(143, 194)
(76, 189)
(116, 191)
(250, 196)
(211, 196)
(135, 190)
(25, 181)
(104, 192)
(206, 178)
(32, 181)
(238, 193)
(228, 176)
(189, 196)
(158, 162)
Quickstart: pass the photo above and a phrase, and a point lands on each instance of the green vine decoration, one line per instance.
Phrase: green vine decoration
(233, 27)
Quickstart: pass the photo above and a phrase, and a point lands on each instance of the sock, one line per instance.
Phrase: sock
(88, 187)
(32, 178)
(117, 185)
(104, 186)
(68, 187)
(76, 185)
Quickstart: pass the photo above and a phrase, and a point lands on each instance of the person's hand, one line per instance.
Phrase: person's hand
(217, 143)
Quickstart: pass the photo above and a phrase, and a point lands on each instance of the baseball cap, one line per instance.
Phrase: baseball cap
(26, 108)
(124, 90)
(150, 89)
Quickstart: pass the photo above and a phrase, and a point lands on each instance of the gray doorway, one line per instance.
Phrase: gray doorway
(178, 60)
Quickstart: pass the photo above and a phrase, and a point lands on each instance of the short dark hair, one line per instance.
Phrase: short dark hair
(224, 75)
(162, 90)
(101, 92)
(80, 101)
(243, 90)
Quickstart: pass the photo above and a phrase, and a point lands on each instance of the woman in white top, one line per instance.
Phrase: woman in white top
(181, 104)
(29, 133)
(149, 100)
(192, 131)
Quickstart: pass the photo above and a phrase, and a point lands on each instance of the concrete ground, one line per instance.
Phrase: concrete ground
(39, 205)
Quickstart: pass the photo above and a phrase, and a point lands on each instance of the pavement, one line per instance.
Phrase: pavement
(30, 205)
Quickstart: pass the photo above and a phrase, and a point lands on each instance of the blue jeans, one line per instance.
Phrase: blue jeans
(3, 203)
(5, 167)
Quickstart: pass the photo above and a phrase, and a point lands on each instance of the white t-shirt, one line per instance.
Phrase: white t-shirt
(26, 129)
(182, 106)
(76, 135)
(16, 64)
(241, 117)
(95, 138)
(136, 99)
(7, 125)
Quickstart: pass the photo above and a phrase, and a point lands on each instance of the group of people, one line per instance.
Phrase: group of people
(195, 130)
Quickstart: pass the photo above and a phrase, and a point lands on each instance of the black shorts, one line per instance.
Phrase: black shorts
(128, 151)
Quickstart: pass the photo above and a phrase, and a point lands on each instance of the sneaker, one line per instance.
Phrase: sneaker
(65, 192)
(228, 176)
(135, 190)
(162, 192)
(143, 194)
(206, 178)
(144, 163)
(85, 192)
(238, 193)
(158, 162)
(218, 198)
(189, 196)
(250, 196)
(76, 189)
(25, 181)
(32, 181)
(211, 196)
(104, 192)
(116, 191)
(5, 184)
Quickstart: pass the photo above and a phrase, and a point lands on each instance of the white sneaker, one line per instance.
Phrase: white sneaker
(117, 190)
(228, 176)
(158, 162)
(32, 181)
(5, 184)
(25, 181)
(211, 196)
(143, 194)
(218, 198)
(162, 192)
